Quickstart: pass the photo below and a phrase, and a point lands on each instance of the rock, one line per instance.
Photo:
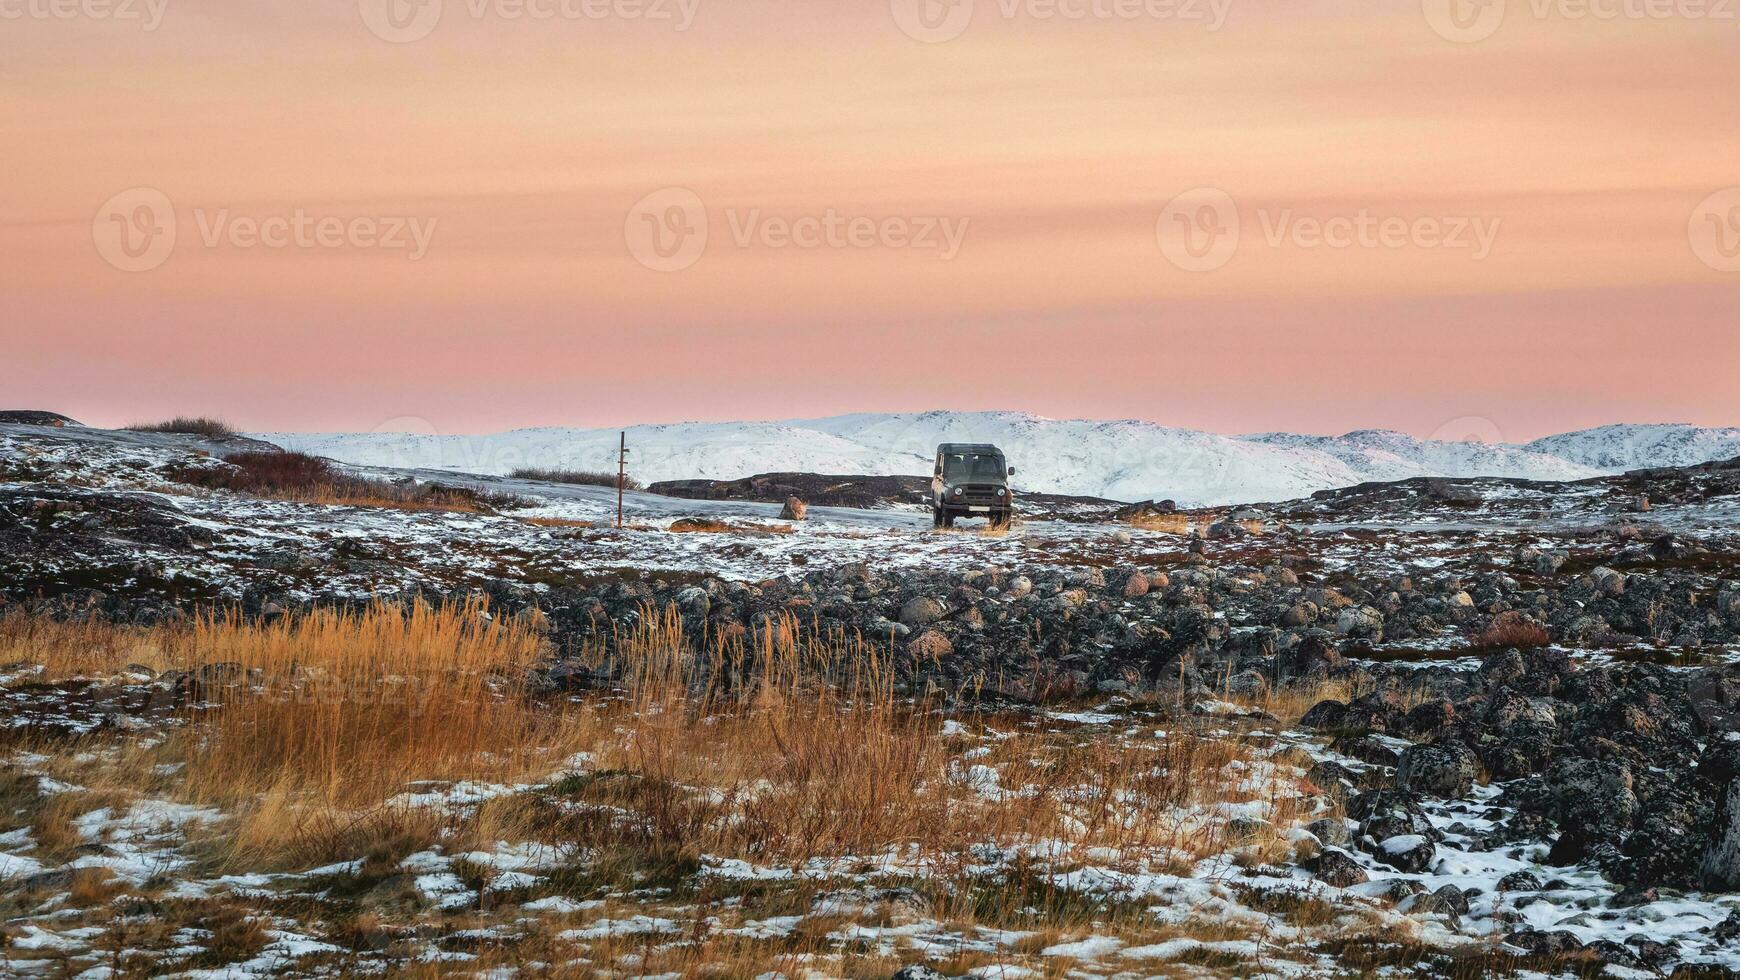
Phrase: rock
(1407, 853)
(1324, 715)
(1429, 717)
(1452, 898)
(921, 611)
(1361, 622)
(1336, 867)
(1136, 585)
(1434, 903)
(1146, 509)
(1728, 930)
(1519, 881)
(1607, 581)
(1720, 866)
(918, 971)
(930, 645)
(1633, 897)
(1299, 614)
(1330, 830)
(1121, 537)
(794, 510)
(1442, 769)
(694, 603)
(1549, 563)
(1314, 656)
(1728, 606)
(1226, 531)
(1018, 587)
(1608, 951)
(1539, 943)
(1387, 813)
(1248, 684)
(1334, 779)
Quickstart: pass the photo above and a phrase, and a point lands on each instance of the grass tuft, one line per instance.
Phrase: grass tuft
(311, 479)
(188, 425)
(590, 478)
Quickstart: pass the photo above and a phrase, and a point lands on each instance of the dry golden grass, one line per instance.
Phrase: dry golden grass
(778, 748)
(309, 479)
(556, 522)
(68, 649)
(304, 727)
(706, 525)
(1164, 523)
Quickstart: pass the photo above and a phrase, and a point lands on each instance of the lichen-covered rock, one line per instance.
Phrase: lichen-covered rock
(1444, 769)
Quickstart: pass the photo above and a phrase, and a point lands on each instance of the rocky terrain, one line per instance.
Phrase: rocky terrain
(866, 492)
(1521, 715)
(1121, 460)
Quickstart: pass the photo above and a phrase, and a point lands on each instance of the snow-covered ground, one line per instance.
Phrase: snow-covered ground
(1122, 460)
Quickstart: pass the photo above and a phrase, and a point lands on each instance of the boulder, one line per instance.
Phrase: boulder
(922, 610)
(1407, 853)
(1360, 622)
(1607, 581)
(930, 645)
(1336, 867)
(794, 510)
(1442, 769)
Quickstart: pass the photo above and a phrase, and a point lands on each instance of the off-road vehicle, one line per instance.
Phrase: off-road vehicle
(971, 480)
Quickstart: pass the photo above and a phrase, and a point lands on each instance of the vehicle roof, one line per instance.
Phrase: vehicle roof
(968, 447)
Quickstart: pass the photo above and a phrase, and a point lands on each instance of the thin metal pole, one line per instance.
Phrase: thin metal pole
(621, 477)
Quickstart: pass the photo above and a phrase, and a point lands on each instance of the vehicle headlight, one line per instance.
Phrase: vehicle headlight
(1002, 491)
(957, 491)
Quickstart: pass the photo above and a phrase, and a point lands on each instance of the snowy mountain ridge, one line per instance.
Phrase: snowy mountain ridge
(1124, 460)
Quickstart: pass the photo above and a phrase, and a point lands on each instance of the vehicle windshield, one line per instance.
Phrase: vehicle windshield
(973, 466)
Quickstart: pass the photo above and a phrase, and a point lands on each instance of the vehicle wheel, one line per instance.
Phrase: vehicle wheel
(948, 520)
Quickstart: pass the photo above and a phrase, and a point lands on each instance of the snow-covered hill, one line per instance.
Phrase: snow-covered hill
(1122, 460)
(1631, 447)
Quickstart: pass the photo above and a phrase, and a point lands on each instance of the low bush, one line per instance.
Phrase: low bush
(583, 477)
(188, 425)
(1511, 629)
(310, 479)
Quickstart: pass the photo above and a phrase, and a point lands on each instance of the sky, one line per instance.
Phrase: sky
(1491, 218)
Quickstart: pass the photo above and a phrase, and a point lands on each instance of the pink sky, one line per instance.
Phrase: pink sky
(1591, 150)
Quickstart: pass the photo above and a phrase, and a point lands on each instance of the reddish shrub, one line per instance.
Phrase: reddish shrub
(1511, 629)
